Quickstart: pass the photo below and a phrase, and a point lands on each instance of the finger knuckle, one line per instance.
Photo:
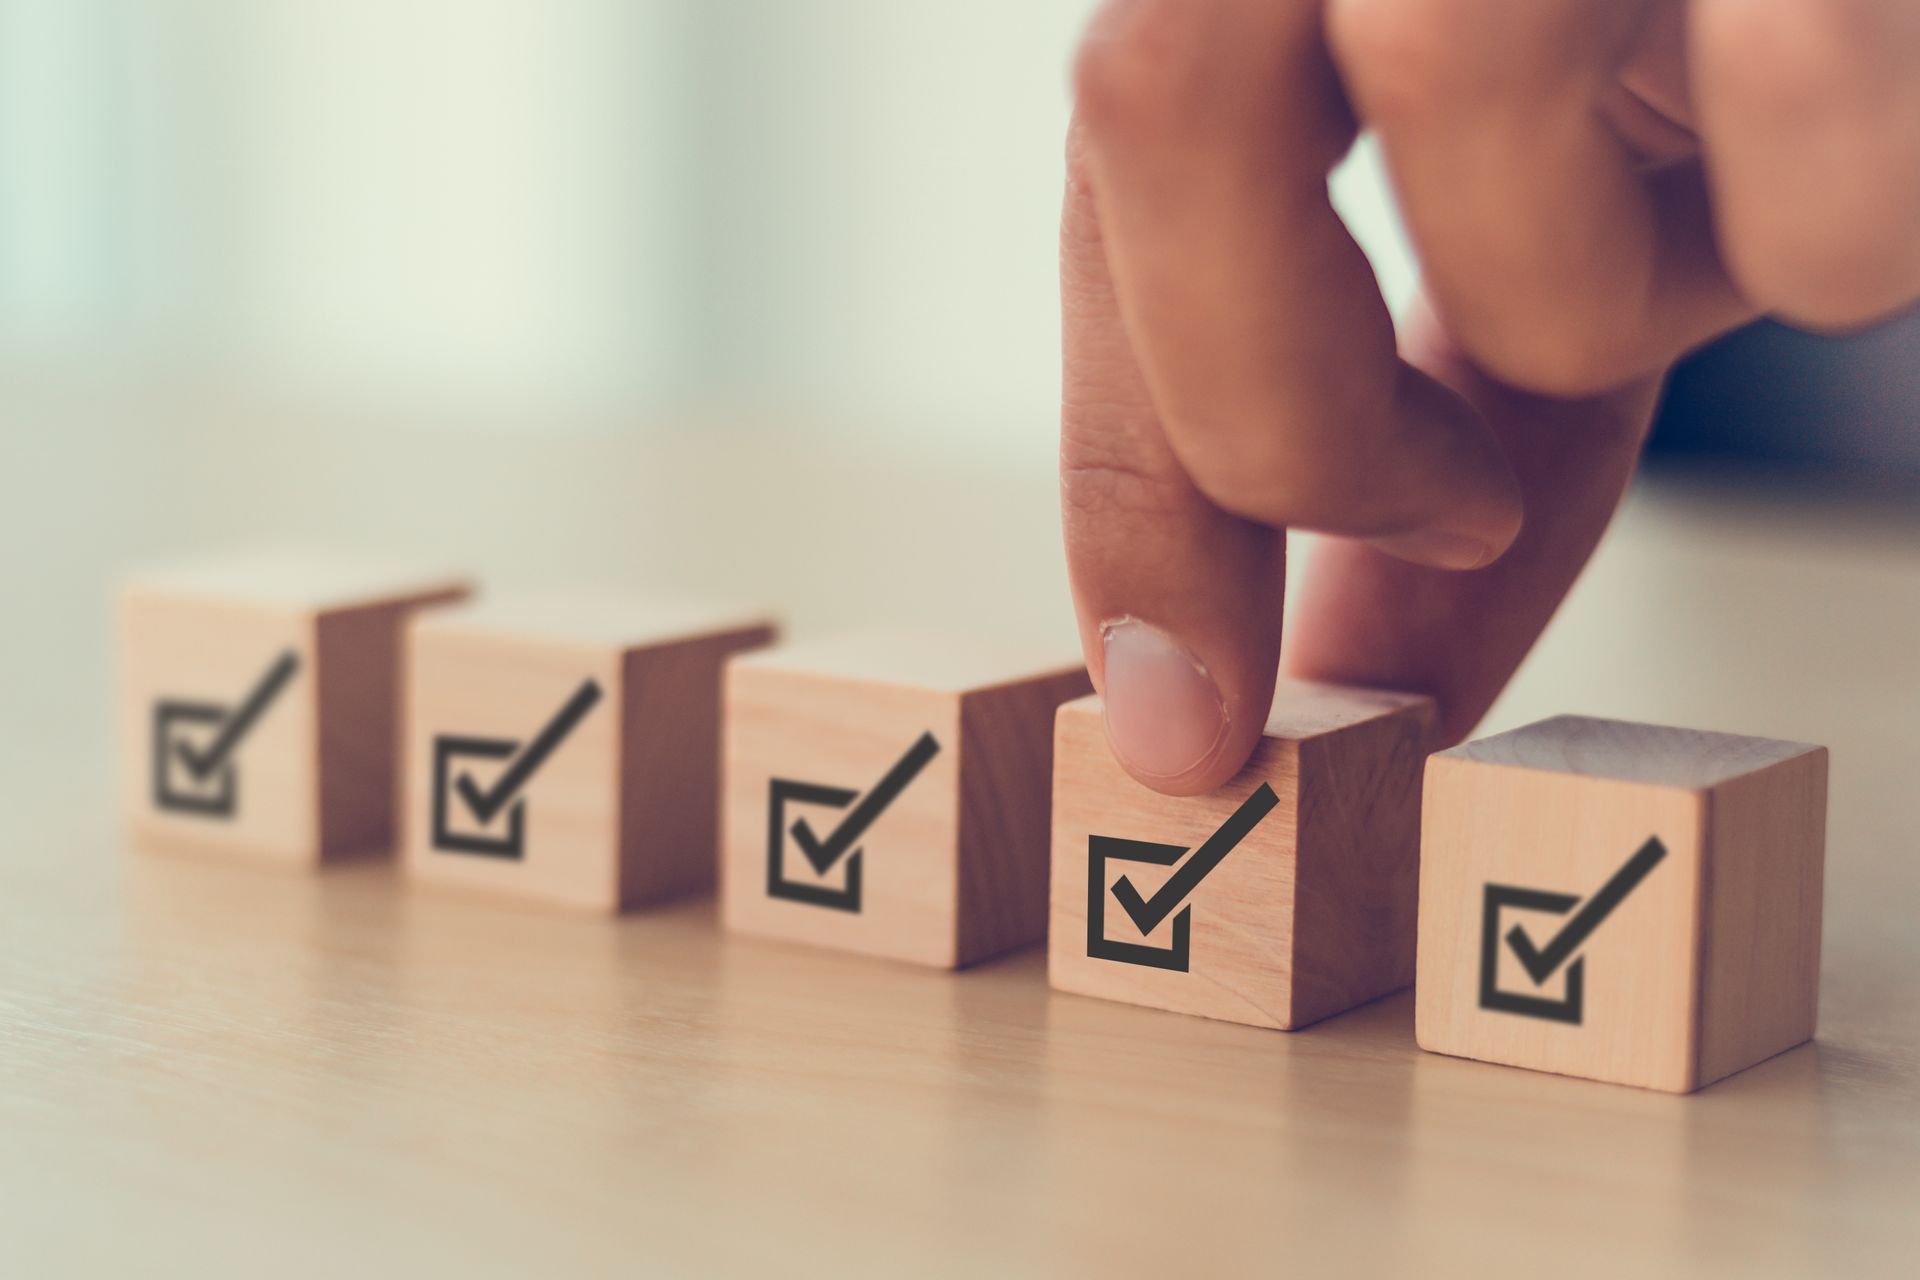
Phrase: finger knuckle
(1081, 241)
(1141, 60)
(1268, 502)
(1802, 271)
(1101, 478)
(1572, 353)
(1277, 477)
(1787, 57)
(1831, 247)
(1403, 58)
(1097, 490)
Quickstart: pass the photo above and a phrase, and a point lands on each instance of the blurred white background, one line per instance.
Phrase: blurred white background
(829, 215)
(748, 297)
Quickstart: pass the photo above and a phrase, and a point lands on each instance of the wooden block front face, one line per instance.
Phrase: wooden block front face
(220, 726)
(1191, 903)
(513, 756)
(841, 813)
(1559, 922)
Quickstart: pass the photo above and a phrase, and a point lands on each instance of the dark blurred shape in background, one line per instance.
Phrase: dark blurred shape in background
(1846, 410)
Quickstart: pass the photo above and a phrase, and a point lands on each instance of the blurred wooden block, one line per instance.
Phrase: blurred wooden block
(1622, 902)
(259, 702)
(888, 794)
(565, 748)
(1285, 897)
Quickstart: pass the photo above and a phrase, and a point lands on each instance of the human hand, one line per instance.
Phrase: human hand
(1593, 187)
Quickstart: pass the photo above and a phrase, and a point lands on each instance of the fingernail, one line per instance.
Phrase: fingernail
(1437, 548)
(1164, 715)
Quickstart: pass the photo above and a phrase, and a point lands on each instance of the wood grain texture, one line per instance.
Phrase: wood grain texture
(207, 1071)
(313, 778)
(952, 870)
(1339, 846)
(670, 763)
(359, 663)
(1764, 884)
(1357, 885)
(1006, 799)
(1659, 755)
(205, 654)
(620, 812)
(1709, 962)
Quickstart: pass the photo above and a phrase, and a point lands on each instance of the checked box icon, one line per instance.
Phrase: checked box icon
(1541, 963)
(1148, 914)
(837, 848)
(200, 777)
(466, 816)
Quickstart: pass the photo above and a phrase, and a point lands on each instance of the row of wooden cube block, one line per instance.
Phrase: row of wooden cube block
(1609, 900)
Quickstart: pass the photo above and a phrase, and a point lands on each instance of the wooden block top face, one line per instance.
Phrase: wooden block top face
(1560, 922)
(918, 660)
(1187, 903)
(841, 813)
(597, 619)
(1654, 755)
(300, 581)
(513, 751)
(1303, 709)
(220, 727)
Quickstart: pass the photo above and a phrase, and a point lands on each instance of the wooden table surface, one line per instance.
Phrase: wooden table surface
(209, 1069)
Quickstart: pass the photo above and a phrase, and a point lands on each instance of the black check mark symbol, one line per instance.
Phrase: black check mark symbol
(821, 855)
(201, 764)
(486, 805)
(1148, 913)
(1541, 962)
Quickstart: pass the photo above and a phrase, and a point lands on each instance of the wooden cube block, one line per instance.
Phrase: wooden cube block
(565, 747)
(1621, 902)
(259, 702)
(887, 794)
(1285, 897)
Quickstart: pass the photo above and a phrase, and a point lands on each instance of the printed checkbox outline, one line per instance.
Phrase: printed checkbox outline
(222, 802)
(840, 844)
(781, 792)
(1148, 914)
(1178, 955)
(448, 749)
(1539, 962)
(235, 722)
(508, 791)
(1571, 1007)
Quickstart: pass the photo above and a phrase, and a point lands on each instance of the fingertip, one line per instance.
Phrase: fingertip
(1482, 509)
(1215, 771)
(1457, 550)
(1168, 723)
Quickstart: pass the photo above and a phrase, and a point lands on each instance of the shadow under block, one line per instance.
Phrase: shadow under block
(1627, 903)
(1283, 898)
(888, 795)
(259, 703)
(566, 748)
